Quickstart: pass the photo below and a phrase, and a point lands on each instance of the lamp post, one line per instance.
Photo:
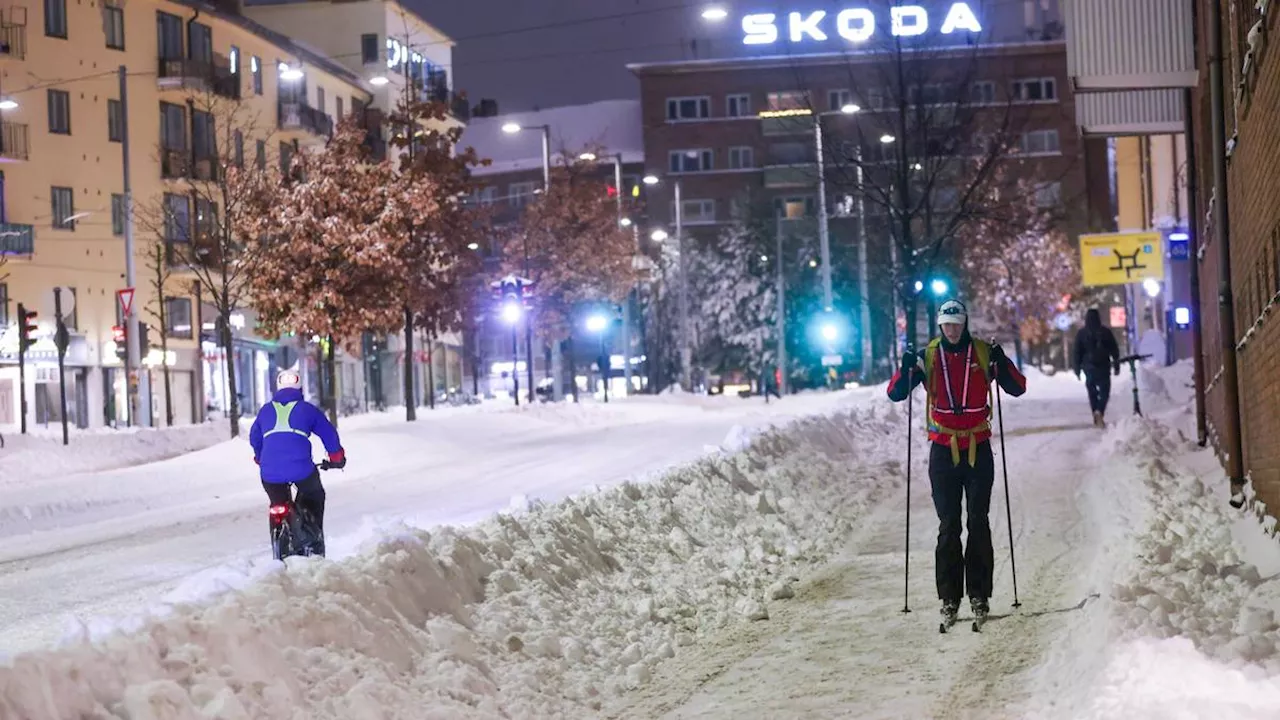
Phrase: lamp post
(511, 312)
(616, 159)
(512, 128)
(686, 352)
(598, 324)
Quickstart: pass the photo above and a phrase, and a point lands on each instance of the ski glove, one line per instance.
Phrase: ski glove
(997, 355)
(338, 459)
(909, 362)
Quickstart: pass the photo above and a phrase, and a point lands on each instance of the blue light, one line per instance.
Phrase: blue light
(1179, 236)
(1182, 316)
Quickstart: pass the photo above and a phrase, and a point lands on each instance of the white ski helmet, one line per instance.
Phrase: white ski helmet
(953, 312)
(288, 380)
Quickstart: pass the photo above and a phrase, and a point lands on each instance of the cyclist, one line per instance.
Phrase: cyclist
(281, 440)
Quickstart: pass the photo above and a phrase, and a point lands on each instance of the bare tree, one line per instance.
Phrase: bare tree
(160, 272)
(216, 199)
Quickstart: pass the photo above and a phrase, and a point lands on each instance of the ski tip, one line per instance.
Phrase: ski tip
(976, 626)
(942, 628)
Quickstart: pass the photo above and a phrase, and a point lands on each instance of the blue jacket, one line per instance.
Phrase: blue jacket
(281, 437)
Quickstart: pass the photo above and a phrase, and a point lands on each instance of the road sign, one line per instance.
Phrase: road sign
(1179, 248)
(126, 300)
(1121, 258)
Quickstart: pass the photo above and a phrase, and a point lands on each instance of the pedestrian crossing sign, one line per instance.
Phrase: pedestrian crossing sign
(1121, 258)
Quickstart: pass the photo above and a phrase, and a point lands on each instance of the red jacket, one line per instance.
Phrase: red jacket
(955, 371)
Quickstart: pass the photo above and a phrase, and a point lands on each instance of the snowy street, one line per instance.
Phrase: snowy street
(764, 579)
(117, 542)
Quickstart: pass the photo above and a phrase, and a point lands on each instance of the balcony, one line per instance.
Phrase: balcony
(784, 176)
(300, 116)
(13, 41)
(201, 75)
(175, 164)
(17, 239)
(787, 125)
(13, 142)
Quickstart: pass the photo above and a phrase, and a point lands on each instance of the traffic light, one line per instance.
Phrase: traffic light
(26, 328)
(120, 336)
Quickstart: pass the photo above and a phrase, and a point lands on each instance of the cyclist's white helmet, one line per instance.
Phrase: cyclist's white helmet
(288, 380)
(953, 312)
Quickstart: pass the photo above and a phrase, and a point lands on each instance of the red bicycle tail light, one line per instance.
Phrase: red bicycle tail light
(279, 510)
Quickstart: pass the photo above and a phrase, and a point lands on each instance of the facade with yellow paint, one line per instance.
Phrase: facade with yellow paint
(203, 83)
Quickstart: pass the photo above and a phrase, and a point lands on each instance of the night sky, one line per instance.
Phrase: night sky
(581, 58)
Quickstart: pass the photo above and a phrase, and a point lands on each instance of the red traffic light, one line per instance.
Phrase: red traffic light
(26, 328)
(117, 334)
(612, 191)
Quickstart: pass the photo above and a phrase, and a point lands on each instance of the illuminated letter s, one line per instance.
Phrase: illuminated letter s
(759, 29)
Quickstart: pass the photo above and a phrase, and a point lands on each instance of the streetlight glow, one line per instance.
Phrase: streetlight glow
(379, 80)
(290, 74)
(715, 14)
(919, 285)
(850, 109)
(1152, 286)
(625, 222)
(511, 313)
(658, 235)
(939, 286)
(830, 332)
(651, 180)
(597, 323)
(511, 128)
(8, 104)
(887, 138)
(473, 246)
(588, 156)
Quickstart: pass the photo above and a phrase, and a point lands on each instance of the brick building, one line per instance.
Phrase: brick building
(1251, 76)
(703, 127)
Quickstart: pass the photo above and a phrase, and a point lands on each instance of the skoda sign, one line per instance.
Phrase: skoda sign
(855, 24)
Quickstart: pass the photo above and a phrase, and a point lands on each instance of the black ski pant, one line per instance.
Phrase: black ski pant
(310, 497)
(958, 568)
(1097, 382)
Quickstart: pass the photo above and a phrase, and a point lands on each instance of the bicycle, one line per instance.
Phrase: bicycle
(293, 529)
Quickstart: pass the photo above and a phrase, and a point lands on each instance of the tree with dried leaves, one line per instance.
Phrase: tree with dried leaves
(329, 260)
(159, 274)
(215, 204)
(435, 258)
(569, 242)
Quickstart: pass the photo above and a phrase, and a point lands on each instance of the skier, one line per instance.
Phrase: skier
(281, 440)
(957, 370)
(1095, 353)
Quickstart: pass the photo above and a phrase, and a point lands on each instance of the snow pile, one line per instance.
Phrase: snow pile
(539, 613)
(42, 454)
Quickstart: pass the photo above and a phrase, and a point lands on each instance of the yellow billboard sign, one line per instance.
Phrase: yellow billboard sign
(1121, 258)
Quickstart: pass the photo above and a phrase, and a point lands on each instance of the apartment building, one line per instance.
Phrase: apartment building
(198, 77)
(393, 51)
(610, 130)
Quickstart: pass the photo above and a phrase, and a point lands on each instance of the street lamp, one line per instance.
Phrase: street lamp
(715, 14)
(290, 74)
(587, 156)
(887, 138)
(8, 103)
(919, 285)
(473, 246)
(511, 128)
(378, 80)
(1152, 286)
(511, 313)
(658, 235)
(625, 222)
(939, 287)
(830, 332)
(850, 109)
(597, 324)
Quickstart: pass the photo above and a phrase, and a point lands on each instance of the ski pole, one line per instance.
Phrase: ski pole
(906, 572)
(1008, 512)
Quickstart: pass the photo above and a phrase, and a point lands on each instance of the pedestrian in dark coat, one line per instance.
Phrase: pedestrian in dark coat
(1097, 355)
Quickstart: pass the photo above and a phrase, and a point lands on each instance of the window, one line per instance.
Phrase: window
(696, 212)
(741, 158)
(260, 155)
(55, 18)
(206, 220)
(60, 112)
(1034, 90)
(338, 110)
(738, 106)
(113, 26)
(690, 108)
(1049, 195)
(234, 58)
(521, 193)
(320, 104)
(369, 48)
(238, 140)
(1040, 142)
(794, 208)
(286, 157)
(875, 98)
(790, 100)
(177, 218)
(255, 67)
(173, 127)
(982, 92)
(202, 136)
(930, 94)
(200, 42)
(837, 99)
(177, 317)
(63, 208)
(689, 161)
(169, 36)
(115, 121)
(117, 215)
